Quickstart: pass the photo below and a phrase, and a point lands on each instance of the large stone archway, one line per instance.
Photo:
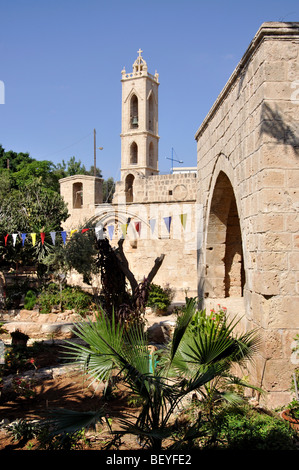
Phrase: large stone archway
(225, 276)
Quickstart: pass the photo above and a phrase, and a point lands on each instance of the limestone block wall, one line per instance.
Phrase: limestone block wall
(248, 147)
(178, 241)
(160, 189)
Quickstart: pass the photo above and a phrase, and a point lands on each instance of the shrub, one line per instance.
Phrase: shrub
(246, 428)
(30, 300)
(159, 297)
(69, 298)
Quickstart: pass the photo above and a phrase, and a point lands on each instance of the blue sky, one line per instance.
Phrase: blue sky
(61, 65)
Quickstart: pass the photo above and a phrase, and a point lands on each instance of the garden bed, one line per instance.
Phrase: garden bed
(68, 390)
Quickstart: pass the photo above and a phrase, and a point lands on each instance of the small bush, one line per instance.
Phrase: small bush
(159, 298)
(248, 429)
(30, 300)
(70, 298)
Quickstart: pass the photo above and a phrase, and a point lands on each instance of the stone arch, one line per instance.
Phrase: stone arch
(225, 274)
(133, 153)
(129, 187)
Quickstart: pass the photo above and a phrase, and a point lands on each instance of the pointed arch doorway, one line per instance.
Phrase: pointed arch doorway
(225, 275)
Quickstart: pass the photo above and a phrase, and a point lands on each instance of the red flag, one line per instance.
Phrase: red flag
(5, 238)
(137, 227)
(85, 230)
(42, 235)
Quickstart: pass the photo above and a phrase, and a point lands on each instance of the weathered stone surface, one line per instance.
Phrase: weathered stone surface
(159, 333)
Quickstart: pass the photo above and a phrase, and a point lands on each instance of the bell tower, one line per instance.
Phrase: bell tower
(139, 133)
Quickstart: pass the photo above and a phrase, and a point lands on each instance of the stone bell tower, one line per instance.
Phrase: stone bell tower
(139, 134)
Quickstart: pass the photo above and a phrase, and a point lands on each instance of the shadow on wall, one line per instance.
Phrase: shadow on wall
(274, 125)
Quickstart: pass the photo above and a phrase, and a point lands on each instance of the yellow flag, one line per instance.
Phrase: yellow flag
(73, 231)
(183, 219)
(33, 237)
(124, 229)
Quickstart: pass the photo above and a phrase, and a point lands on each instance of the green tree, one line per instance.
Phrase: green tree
(79, 253)
(108, 189)
(10, 160)
(72, 167)
(26, 173)
(35, 209)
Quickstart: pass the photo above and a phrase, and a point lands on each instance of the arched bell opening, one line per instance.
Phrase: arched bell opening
(133, 154)
(129, 188)
(134, 112)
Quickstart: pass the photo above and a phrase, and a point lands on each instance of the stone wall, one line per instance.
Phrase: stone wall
(248, 145)
(159, 188)
(178, 242)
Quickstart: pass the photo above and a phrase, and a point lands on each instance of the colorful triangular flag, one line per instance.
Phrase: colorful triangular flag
(99, 232)
(23, 235)
(152, 223)
(5, 239)
(138, 227)
(63, 235)
(111, 231)
(42, 236)
(167, 221)
(183, 218)
(124, 228)
(33, 238)
(14, 237)
(73, 231)
(53, 236)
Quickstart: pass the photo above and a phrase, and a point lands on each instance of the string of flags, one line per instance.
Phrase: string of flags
(99, 231)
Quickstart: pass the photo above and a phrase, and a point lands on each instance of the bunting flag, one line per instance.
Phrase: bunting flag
(99, 231)
(138, 227)
(111, 231)
(183, 218)
(124, 228)
(42, 236)
(53, 236)
(23, 235)
(152, 223)
(14, 237)
(63, 235)
(33, 238)
(167, 221)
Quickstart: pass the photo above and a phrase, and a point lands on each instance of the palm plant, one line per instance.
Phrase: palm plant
(193, 359)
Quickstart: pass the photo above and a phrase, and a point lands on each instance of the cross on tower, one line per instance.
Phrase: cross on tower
(139, 52)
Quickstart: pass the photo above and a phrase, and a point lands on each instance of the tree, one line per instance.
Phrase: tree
(26, 173)
(10, 160)
(161, 379)
(79, 253)
(115, 272)
(35, 209)
(108, 189)
(72, 167)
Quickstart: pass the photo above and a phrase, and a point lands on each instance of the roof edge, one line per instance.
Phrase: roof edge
(266, 29)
